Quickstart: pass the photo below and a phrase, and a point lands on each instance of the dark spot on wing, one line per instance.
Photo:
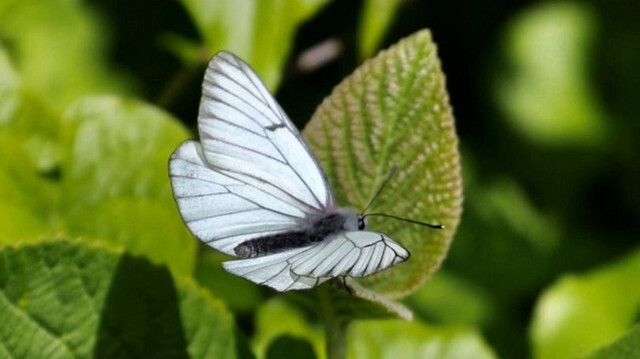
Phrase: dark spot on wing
(275, 126)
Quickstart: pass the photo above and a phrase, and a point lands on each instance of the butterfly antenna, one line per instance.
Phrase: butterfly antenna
(393, 171)
(434, 226)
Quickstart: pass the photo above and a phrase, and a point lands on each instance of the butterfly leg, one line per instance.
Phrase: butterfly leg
(346, 286)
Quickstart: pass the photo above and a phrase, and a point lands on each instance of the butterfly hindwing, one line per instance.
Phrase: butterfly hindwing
(352, 254)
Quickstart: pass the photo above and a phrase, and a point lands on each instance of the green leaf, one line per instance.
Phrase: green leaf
(101, 172)
(260, 32)
(37, 31)
(361, 303)
(27, 199)
(548, 96)
(399, 339)
(286, 346)
(503, 228)
(581, 313)
(394, 109)
(375, 19)
(239, 294)
(115, 180)
(276, 318)
(627, 347)
(188, 51)
(450, 299)
(343, 301)
(26, 119)
(28, 131)
(61, 299)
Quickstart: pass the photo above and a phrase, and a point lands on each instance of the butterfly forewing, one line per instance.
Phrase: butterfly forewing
(245, 134)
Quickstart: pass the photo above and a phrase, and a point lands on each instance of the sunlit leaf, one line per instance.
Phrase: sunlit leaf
(27, 118)
(28, 140)
(100, 173)
(395, 110)
(115, 178)
(581, 313)
(59, 49)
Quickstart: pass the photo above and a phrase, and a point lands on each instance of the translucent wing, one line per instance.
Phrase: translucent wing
(352, 254)
(252, 174)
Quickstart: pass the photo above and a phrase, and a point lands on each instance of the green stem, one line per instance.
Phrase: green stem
(335, 328)
(175, 87)
(181, 80)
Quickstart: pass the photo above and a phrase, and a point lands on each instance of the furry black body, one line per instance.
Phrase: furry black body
(313, 231)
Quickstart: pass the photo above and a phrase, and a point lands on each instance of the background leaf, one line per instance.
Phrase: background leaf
(76, 300)
(347, 300)
(115, 181)
(276, 318)
(394, 109)
(59, 48)
(286, 346)
(375, 19)
(29, 140)
(547, 93)
(581, 313)
(259, 32)
(105, 177)
(239, 294)
(399, 339)
(449, 299)
(627, 347)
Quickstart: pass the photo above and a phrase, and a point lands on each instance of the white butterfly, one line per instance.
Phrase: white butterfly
(252, 189)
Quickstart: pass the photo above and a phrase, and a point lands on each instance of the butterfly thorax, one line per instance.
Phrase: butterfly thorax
(313, 230)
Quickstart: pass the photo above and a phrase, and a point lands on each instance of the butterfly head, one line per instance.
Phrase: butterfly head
(350, 219)
(362, 224)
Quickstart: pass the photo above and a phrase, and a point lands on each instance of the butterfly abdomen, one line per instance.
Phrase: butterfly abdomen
(316, 231)
(271, 244)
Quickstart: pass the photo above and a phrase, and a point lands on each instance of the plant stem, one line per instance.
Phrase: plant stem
(335, 328)
(181, 80)
(176, 86)
(336, 339)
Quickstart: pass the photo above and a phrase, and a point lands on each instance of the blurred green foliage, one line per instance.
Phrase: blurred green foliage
(547, 93)
(544, 264)
(580, 312)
